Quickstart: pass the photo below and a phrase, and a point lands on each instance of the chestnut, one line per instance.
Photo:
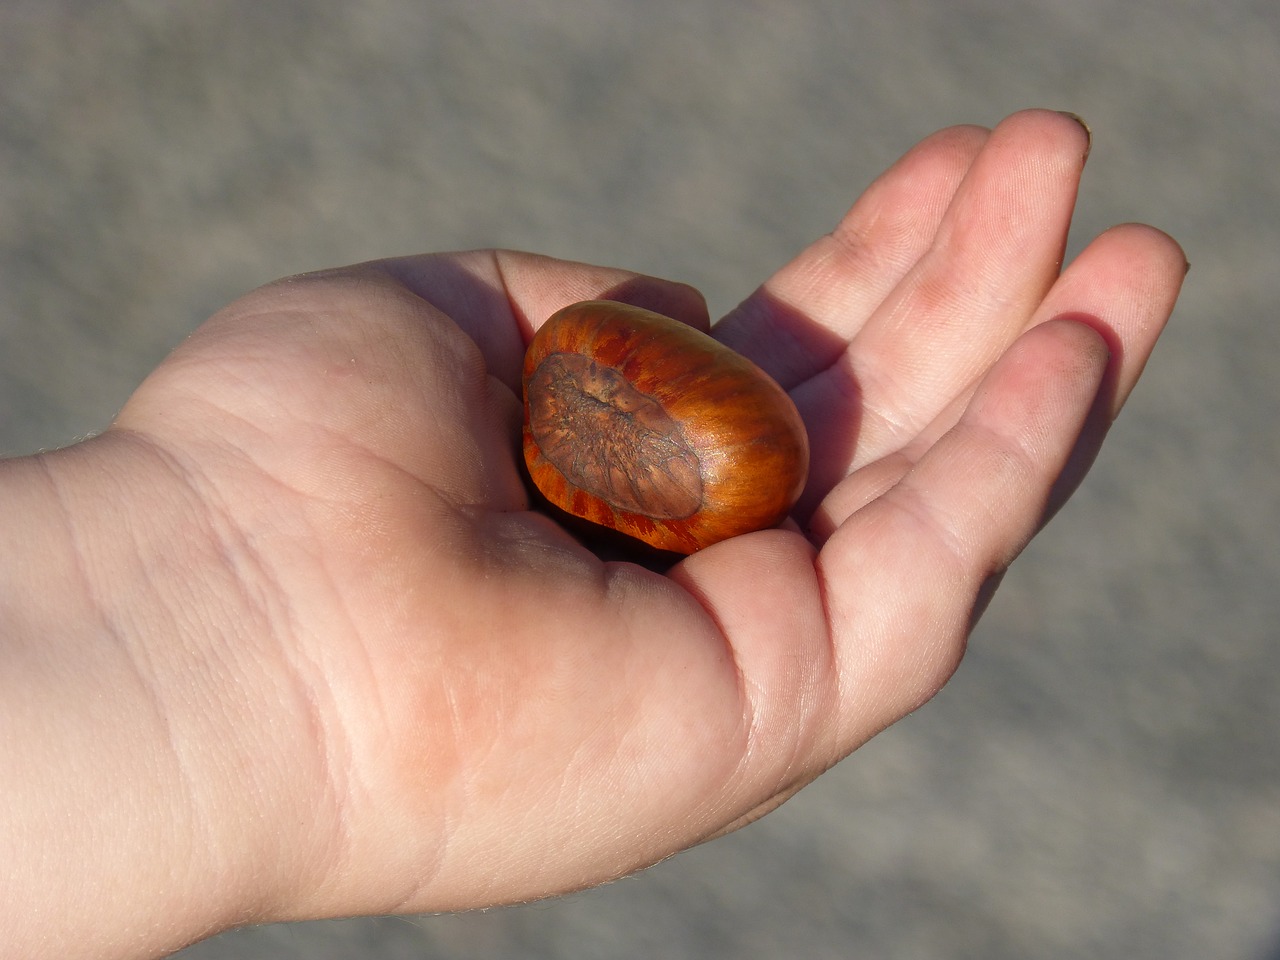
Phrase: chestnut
(644, 425)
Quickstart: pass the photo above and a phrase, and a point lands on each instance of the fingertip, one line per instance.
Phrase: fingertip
(1085, 335)
(537, 286)
(1126, 282)
(1044, 126)
(960, 142)
(1077, 347)
(1166, 253)
(1088, 131)
(671, 298)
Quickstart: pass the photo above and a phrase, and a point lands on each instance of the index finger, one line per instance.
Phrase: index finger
(802, 319)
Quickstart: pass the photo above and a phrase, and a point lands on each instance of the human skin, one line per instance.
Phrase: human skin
(287, 640)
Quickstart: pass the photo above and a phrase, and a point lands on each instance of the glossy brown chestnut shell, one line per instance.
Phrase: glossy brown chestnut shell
(642, 424)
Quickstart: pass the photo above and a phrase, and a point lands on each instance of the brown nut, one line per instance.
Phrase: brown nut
(643, 424)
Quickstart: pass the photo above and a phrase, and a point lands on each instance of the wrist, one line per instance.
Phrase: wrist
(133, 804)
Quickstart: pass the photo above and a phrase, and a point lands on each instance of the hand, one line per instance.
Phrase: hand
(311, 652)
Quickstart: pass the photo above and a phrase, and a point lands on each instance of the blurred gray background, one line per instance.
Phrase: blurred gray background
(1102, 777)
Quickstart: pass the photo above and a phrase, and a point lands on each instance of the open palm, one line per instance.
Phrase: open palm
(471, 707)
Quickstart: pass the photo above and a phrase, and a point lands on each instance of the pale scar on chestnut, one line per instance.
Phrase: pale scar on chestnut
(611, 440)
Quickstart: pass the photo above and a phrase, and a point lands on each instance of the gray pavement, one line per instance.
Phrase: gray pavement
(1102, 777)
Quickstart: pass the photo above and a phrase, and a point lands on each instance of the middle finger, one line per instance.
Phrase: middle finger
(997, 251)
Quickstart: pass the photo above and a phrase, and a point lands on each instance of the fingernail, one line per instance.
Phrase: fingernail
(1087, 132)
